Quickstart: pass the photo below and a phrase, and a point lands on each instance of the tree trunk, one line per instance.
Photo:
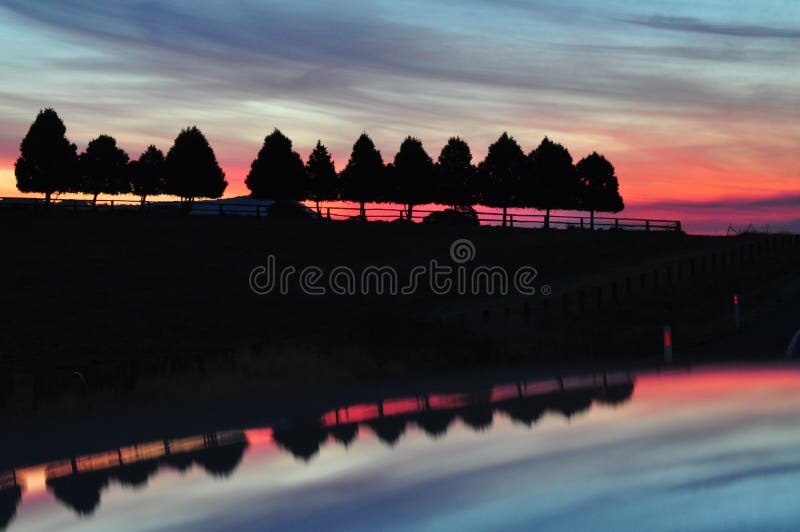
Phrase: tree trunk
(505, 209)
(547, 219)
(591, 220)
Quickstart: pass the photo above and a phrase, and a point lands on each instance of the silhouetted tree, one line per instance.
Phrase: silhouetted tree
(104, 168)
(500, 174)
(48, 161)
(598, 186)
(363, 179)
(553, 182)
(413, 174)
(191, 169)
(323, 183)
(278, 172)
(455, 175)
(147, 174)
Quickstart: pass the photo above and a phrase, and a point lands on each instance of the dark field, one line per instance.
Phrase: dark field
(154, 301)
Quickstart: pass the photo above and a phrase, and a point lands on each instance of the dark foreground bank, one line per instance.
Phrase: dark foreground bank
(115, 305)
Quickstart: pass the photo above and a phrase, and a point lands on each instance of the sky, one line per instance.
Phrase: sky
(697, 103)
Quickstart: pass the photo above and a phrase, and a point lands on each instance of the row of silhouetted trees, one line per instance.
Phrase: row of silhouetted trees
(49, 163)
(546, 178)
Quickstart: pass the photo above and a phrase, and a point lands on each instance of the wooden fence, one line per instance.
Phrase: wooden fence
(337, 212)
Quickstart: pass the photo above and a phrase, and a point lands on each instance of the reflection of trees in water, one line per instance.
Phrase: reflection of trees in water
(480, 412)
(436, 422)
(616, 394)
(9, 499)
(302, 440)
(525, 410)
(345, 434)
(305, 438)
(136, 474)
(81, 490)
(569, 404)
(388, 429)
(180, 462)
(221, 461)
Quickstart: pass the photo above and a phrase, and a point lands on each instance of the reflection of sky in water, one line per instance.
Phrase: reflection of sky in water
(709, 450)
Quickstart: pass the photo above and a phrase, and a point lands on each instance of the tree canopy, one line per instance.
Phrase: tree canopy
(501, 173)
(552, 183)
(455, 174)
(191, 168)
(48, 161)
(363, 179)
(277, 173)
(322, 183)
(147, 173)
(104, 168)
(599, 187)
(413, 174)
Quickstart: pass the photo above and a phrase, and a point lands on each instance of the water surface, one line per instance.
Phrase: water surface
(706, 449)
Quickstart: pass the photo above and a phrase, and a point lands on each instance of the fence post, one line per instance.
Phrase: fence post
(329, 213)
(667, 344)
(616, 223)
(647, 225)
(678, 226)
(511, 220)
(220, 210)
(581, 222)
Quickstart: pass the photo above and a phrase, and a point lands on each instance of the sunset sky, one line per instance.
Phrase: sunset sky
(697, 103)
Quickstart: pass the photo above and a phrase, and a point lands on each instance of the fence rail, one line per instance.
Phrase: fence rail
(338, 212)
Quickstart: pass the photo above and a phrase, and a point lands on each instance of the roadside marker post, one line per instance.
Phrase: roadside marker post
(667, 344)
